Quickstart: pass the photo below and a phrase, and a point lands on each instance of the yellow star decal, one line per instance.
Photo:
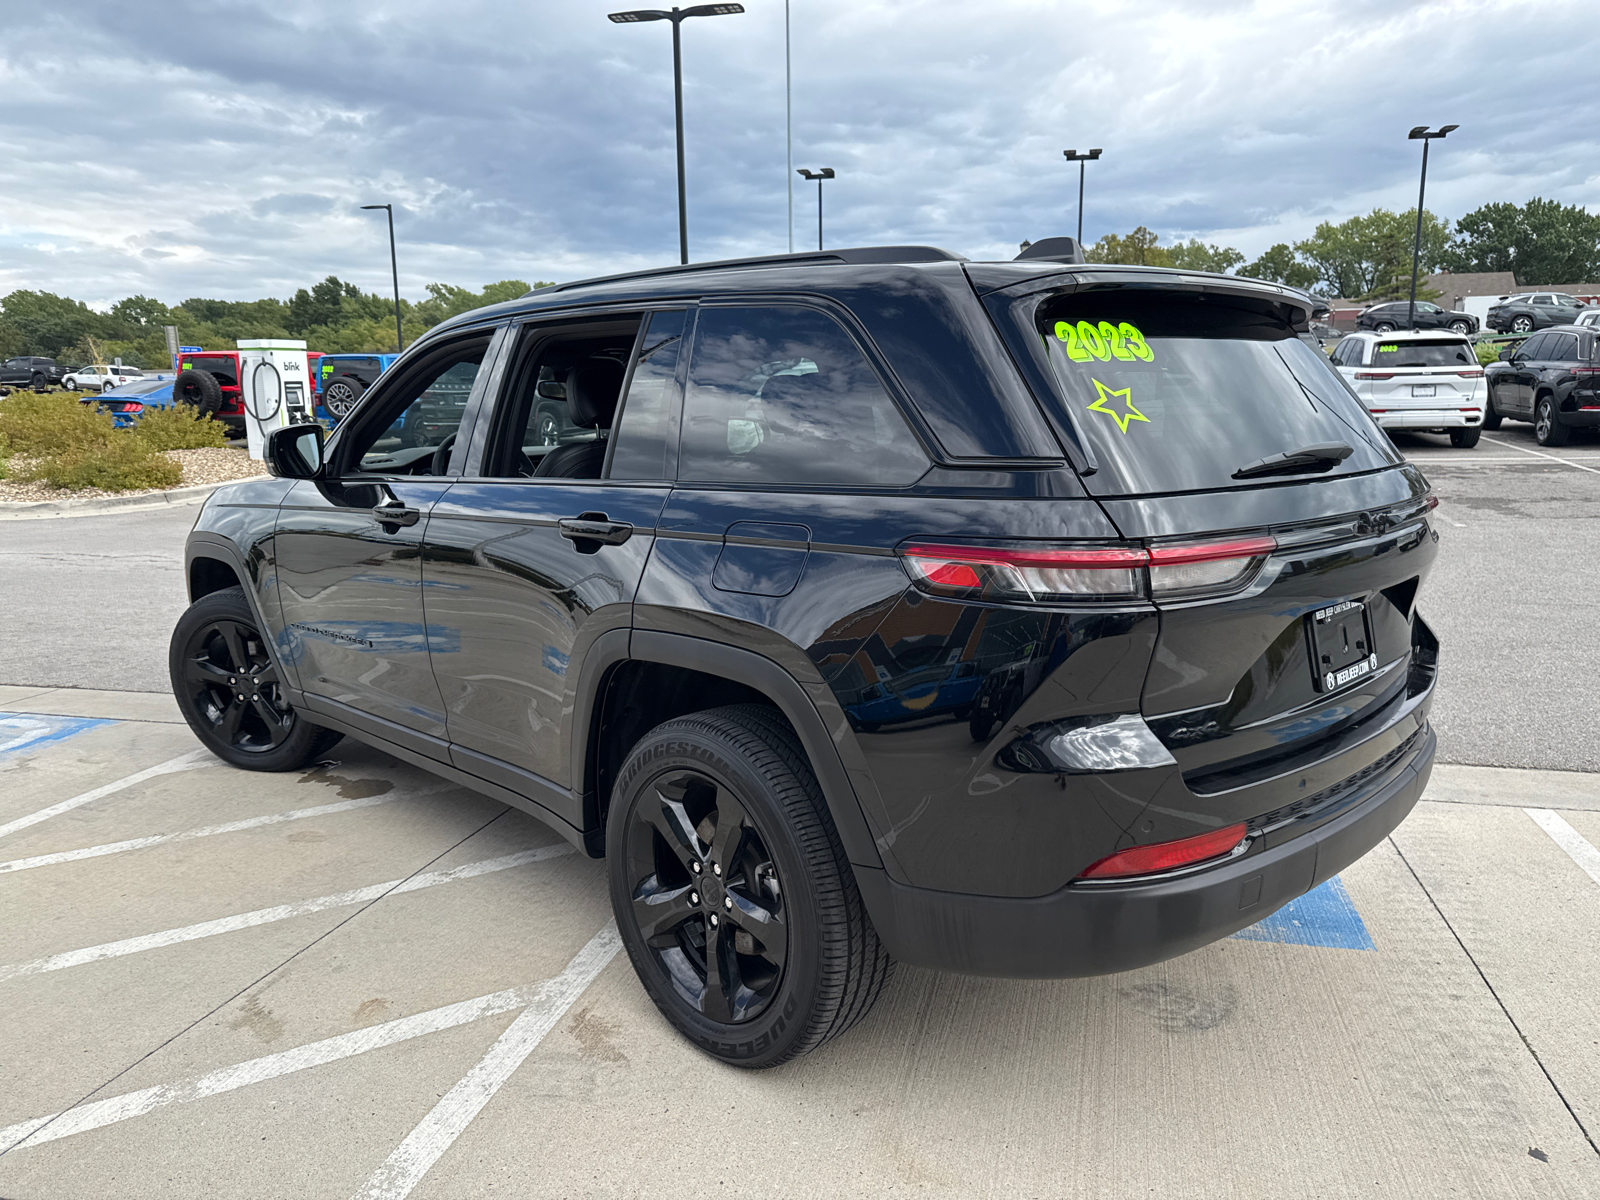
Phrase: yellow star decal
(1125, 395)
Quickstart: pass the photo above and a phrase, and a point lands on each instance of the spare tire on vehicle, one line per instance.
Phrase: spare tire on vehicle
(198, 389)
(339, 395)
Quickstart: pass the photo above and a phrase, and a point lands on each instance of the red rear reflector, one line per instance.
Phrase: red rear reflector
(1432, 502)
(1470, 374)
(1377, 412)
(1166, 856)
(954, 575)
(1374, 375)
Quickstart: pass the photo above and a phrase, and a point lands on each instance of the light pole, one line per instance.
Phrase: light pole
(1421, 134)
(788, 119)
(394, 267)
(1080, 159)
(677, 16)
(819, 176)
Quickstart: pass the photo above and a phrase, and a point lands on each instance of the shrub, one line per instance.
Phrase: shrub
(52, 423)
(120, 464)
(178, 427)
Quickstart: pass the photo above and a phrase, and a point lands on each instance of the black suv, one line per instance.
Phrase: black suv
(1386, 318)
(1533, 310)
(1552, 379)
(1029, 619)
(30, 371)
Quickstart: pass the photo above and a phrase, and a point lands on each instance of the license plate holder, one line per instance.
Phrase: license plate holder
(1422, 391)
(1341, 645)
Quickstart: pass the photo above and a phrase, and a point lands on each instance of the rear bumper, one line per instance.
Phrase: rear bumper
(1428, 418)
(1098, 930)
(1583, 418)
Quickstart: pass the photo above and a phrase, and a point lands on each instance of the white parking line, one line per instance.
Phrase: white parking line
(160, 839)
(279, 912)
(1578, 847)
(1565, 462)
(184, 762)
(543, 998)
(437, 1131)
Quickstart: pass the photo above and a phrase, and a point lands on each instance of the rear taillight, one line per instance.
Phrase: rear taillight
(1000, 573)
(1167, 856)
(1470, 374)
(1430, 502)
(128, 406)
(1051, 574)
(1374, 375)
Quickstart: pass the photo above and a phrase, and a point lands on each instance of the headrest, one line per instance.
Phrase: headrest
(593, 389)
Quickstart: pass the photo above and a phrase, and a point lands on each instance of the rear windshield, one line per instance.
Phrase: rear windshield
(1176, 392)
(222, 368)
(1423, 354)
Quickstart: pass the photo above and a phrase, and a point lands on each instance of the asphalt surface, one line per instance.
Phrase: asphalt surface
(91, 601)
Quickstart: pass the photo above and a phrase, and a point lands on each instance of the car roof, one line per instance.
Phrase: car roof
(1409, 335)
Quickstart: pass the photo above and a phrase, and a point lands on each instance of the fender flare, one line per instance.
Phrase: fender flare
(741, 666)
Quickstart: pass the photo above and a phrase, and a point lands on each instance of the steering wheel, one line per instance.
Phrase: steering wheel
(441, 456)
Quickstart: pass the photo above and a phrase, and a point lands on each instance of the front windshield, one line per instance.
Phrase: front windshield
(1424, 354)
(1176, 391)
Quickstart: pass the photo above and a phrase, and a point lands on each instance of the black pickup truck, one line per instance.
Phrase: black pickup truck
(30, 371)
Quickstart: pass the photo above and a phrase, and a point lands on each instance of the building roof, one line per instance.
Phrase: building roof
(1455, 288)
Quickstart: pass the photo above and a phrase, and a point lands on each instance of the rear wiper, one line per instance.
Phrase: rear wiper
(1292, 462)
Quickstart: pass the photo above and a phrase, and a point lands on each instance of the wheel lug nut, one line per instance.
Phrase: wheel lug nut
(694, 897)
(695, 867)
(727, 903)
(716, 869)
(713, 918)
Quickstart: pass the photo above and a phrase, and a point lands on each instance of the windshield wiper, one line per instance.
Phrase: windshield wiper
(1293, 462)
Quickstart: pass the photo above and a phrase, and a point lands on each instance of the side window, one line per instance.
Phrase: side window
(403, 434)
(1544, 299)
(1533, 347)
(647, 426)
(782, 395)
(1561, 347)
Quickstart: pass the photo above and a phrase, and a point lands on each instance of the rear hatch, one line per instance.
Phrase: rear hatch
(1284, 663)
(1414, 375)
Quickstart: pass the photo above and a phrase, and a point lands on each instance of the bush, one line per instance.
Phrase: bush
(121, 464)
(178, 427)
(52, 423)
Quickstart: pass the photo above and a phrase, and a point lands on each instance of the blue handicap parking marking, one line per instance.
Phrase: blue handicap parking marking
(1324, 916)
(27, 731)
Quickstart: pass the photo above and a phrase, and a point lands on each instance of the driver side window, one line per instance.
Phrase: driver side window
(420, 416)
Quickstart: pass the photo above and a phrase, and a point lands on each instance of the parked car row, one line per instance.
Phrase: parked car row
(1551, 379)
(1396, 315)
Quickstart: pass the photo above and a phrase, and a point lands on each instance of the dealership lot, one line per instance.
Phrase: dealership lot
(360, 980)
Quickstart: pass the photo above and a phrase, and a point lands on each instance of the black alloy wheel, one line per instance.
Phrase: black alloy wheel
(1523, 324)
(1547, 427)
(1491, 417)
(339, 396)
(229, 689)
(732, 891)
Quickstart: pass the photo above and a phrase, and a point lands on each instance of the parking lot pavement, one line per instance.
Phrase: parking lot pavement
(362, 981)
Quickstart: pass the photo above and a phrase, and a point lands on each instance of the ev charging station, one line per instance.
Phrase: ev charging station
(276, 388)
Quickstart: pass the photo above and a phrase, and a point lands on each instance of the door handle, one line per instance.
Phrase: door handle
(594, 527)
(394, 512)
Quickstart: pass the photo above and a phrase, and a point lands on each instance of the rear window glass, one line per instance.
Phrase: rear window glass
(1176, 392)
(782, 395)
(1423, 354)
(222, 368)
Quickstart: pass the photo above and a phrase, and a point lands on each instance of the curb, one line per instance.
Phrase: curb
(15, 510)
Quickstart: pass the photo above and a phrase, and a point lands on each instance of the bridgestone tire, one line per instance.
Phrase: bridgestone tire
(198, 389)
(339, 395)
(1547, 427)
(1491, 418)
(1465, 439)
(305, 742)
(835, 967)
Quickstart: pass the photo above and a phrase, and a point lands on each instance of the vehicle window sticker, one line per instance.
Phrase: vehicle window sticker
(1389, 349)
(1088, 341)
(1103, 393)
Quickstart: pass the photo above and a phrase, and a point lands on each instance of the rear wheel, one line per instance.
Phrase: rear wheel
(230, 692)
(1522, 324)
(1465, 439)
(1547, 427)
(1383, 327)
(732, 891)
(1491, 418)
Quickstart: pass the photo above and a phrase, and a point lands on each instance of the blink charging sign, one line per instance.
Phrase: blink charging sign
(276, 385)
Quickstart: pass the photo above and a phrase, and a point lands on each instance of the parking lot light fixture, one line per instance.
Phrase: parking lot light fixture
(1421, 134)
(677, 16)
(819, 176)
(1080, 159)
(394, 269)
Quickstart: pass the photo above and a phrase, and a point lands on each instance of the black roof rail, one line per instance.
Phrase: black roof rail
(856, 254)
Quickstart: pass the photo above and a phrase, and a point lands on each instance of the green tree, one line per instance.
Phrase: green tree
(1196, 256)
(1279, 265)
(140, 312)
(44, 323)
(1369, 257)
(1542, 242)
(1135, 249)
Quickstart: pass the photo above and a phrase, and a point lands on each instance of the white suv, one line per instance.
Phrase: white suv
(99, 378)
(1428, 382)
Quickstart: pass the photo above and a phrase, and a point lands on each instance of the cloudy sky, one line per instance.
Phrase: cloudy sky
(221, 147)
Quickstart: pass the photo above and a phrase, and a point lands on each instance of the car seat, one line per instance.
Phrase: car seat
(593, 388)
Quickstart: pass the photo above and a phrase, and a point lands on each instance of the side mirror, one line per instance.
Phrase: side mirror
(295, 452)
(1506, 353)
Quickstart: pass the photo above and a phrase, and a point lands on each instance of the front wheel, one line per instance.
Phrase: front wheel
(72, 385)
(732, 891)
(1465, 439)
(1460, 327)
(1547, 427)
(230, 692)
(39, 383)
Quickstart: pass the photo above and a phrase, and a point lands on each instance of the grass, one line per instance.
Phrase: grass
(72, 445)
